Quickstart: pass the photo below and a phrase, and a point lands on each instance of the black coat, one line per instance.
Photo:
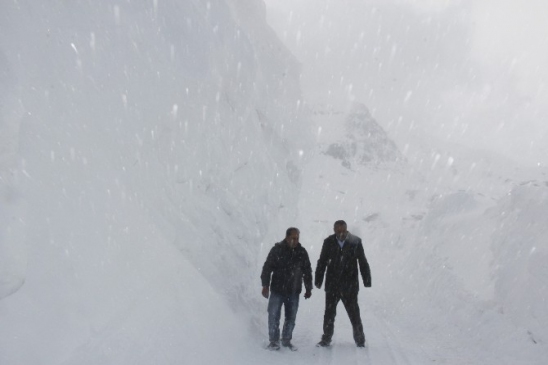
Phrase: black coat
(288, 266)
(342, 265)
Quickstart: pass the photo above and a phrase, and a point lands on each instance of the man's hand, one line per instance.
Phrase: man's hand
(319, 286)
(265, 292)
(308, 294)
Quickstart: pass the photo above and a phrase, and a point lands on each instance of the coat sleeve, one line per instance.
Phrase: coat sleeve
(307, 272)
(364, 267)
(268, 267)
(322, 264)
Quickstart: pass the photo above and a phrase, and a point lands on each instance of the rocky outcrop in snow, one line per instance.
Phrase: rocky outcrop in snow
(364, 143)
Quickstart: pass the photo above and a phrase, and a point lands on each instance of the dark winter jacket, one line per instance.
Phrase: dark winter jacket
(288, 266)
(342, 265)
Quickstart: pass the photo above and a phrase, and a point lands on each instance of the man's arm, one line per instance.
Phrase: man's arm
(364, 266)
(320, 267)
(307, 275)
(268, 267)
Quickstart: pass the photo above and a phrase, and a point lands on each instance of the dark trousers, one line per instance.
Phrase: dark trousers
(350, 301)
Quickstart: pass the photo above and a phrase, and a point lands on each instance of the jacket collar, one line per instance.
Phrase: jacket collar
(349, 238)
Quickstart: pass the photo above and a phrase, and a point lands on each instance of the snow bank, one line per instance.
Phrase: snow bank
(455, 243)
(521, 252)
(145, 188)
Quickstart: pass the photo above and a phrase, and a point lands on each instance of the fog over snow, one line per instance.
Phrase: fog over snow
(151, 153)
(470, 72)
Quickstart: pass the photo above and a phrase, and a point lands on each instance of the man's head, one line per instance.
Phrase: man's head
(340, 230)
(292, 236)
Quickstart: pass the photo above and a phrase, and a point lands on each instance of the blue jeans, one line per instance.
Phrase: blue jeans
(291, 305)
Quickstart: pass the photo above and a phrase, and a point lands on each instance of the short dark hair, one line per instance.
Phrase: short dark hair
(340, 223)
(291, 230)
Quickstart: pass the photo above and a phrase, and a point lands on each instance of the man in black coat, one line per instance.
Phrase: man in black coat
(288, 264)
(341, 254)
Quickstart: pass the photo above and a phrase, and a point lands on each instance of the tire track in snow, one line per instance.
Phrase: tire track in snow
(362, 355)
(384, 348)
(325, 356)
(388, 345)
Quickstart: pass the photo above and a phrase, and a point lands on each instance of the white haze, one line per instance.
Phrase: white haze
(151, 153)
(470, 72)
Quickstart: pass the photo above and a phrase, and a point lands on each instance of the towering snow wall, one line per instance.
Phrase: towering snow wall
(147, 151)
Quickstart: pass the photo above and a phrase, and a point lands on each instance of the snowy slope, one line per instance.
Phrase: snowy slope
(455, 252)
(136, 187)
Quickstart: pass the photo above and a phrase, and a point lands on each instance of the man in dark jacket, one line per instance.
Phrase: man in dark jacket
(288, 264)
(341, 254)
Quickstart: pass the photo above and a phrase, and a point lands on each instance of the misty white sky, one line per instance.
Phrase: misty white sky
(470, 72)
